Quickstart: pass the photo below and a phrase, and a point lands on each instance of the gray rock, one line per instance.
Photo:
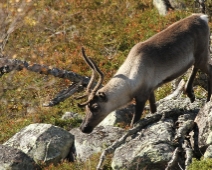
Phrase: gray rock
(69, 115)
(204, 123)
(163, 6)
(14, 159)
(177, 4)
(151, 148)
(43, 142)
(208, 152)
(122, 116)
(89, 144)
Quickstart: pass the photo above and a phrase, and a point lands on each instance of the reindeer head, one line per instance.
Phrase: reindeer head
(96, 99)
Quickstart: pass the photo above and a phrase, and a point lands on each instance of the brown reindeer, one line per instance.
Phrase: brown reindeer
(149, 64)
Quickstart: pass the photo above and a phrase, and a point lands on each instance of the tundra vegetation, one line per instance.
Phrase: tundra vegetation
(52, 32)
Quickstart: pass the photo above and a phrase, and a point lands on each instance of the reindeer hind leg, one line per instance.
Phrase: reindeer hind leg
(189, 87)
(209, 83)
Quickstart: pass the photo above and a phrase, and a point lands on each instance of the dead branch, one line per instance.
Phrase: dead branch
(174, 159)
(185, 125)
(8, 65)
(64, 94)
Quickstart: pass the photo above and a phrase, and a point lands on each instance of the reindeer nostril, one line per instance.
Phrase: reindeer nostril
(86, 129)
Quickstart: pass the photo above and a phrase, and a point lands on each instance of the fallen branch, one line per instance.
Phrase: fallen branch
(185, 124)
(8, 65)
(174, 159)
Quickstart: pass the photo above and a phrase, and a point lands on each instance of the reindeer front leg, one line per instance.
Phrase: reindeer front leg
(139, 107)
(152, 104)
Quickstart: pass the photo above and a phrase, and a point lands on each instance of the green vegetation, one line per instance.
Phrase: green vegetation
(53, 33)
(203, 164)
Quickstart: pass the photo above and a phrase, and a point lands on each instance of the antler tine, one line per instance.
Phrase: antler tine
(87, 60)
(101, 76)
(94, 68)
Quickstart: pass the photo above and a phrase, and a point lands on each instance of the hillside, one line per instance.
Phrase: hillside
(52, 32)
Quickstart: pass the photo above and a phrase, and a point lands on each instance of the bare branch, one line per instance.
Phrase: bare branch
(8, 65)
(64, 94)
(174, 159)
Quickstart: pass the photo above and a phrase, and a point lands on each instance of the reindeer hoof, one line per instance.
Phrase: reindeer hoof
(192, 99)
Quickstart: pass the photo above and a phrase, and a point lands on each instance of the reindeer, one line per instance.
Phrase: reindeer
(149, 64)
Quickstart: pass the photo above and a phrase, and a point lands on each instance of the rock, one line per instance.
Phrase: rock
(69, 115)
(89, 144)
(204, 124)
(177, 4)
(151, 148)
(163, 6)
(208, 152)
(122, 116)
(14, 159)
(43, 142)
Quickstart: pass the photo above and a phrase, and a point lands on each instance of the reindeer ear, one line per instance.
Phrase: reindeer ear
(102, 96)
(80, 105)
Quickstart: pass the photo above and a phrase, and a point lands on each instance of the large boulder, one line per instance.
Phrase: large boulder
(14, 159)
(43, 142)
(151, 149)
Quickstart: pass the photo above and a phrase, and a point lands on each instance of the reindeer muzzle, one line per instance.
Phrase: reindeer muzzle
(86, 129)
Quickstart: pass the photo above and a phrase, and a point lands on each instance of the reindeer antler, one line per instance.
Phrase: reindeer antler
(90, 93)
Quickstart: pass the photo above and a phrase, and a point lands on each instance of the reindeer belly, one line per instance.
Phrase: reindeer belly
(174, 69)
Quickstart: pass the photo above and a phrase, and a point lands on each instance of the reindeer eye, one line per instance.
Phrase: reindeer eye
(102, 96)
(94, 107)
